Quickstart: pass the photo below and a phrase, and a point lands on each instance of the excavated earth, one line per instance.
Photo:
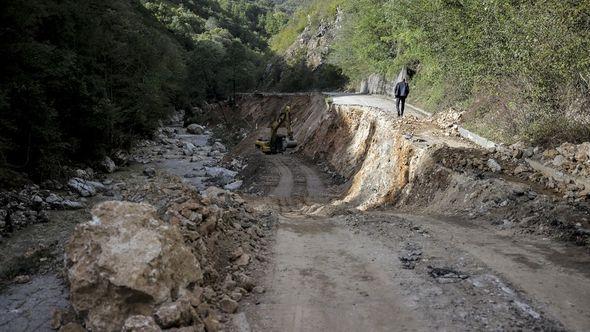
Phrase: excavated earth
(373, 223)
(392, 224)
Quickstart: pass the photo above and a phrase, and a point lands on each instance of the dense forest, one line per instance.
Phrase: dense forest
(521, 69)
(83, 78)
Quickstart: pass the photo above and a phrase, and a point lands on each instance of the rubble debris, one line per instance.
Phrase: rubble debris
(125, 261)
(139, 323)
(175, 314)
(446, 275)
(411, 255)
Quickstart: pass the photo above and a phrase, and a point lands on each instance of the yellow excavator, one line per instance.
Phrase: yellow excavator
(278, 143)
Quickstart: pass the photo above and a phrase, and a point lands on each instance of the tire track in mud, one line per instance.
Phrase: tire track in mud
(316, 192)
(284, 187)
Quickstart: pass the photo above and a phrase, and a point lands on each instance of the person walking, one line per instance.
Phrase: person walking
(402, 90)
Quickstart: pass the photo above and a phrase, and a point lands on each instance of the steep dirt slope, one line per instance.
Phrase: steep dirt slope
(374, 209)
(415, 165)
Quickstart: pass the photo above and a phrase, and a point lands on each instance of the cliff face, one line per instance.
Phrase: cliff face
(314, 43)
(303, 66)
(378, 84)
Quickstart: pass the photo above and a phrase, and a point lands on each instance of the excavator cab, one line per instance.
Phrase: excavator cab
(278, 143)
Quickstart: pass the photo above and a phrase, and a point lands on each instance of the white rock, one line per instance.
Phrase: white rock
(53, 199)
(558, 161)
(234, 185)
(494, 166)
(220, 171)
(217, 146)
(125, 261)
(82, 187)
(140, 323)
(195, 129)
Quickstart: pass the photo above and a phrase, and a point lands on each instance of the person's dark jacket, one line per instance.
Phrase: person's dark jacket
(402, 90)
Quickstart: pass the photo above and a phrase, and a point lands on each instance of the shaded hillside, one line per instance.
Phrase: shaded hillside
(81, 79)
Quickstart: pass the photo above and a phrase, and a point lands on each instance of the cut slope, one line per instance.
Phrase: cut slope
(415, 165)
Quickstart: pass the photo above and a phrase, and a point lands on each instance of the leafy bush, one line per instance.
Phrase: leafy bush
(532, 53)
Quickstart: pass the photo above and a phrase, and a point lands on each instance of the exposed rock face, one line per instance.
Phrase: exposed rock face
(379, 84)
(315, 41)
(126, 261)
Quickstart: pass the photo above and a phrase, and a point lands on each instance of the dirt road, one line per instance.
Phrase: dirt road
(344, 272)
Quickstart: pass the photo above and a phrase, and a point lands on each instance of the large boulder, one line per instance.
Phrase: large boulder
(82, 187)
(108, 165)
(195, 129)
(125, 262)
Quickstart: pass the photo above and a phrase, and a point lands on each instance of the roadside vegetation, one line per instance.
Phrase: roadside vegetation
(82, 78)
(309, 13)
(520, 69)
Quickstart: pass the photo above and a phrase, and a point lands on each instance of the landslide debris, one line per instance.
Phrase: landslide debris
(124, 262)
(180, 257)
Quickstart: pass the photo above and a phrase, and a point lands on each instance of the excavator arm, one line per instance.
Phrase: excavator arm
(278, 143)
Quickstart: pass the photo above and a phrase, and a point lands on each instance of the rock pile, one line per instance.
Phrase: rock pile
(181, 261)
(126, 261)
(21, 208)
(569, 158)
(28, 206)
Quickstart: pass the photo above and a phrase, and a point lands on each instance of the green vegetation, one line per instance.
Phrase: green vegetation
(81, 78)
(521, 68)
(309, 13)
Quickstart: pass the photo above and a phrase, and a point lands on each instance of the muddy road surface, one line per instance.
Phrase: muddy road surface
(346, 270)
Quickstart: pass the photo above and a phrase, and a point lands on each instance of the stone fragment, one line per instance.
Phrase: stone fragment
(175, 314)
(82, 187)
(108, 165)
(258, 290)
(494, 166)
(150, 172)
(195, 129)
(245, 282)
(228, 305)
(72, 327)
(22, 279)
(121, 158)
(243, 260)
(234, 185)
(139, 323)
(558, 161)
(211, 324)
(217, 146)
(125, 262)
(550, 154)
